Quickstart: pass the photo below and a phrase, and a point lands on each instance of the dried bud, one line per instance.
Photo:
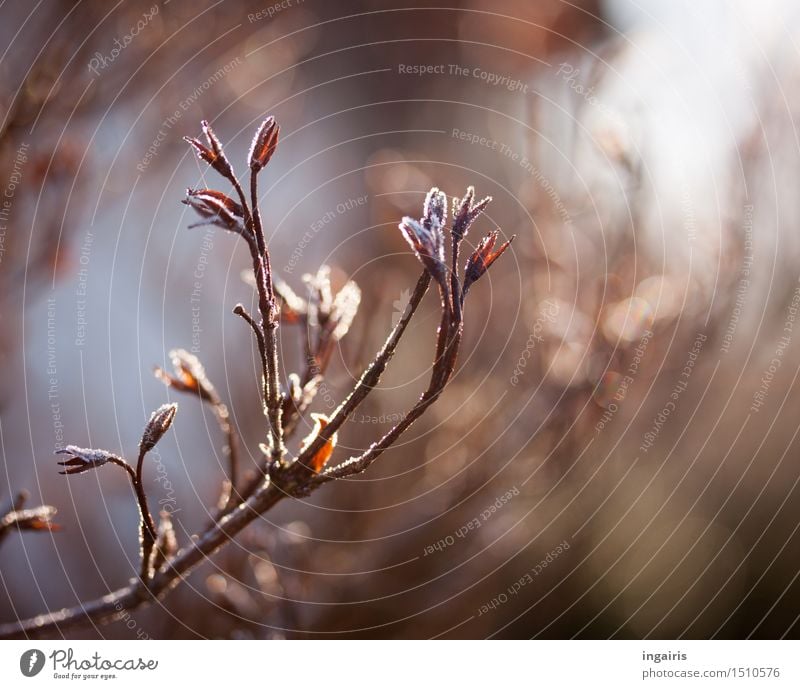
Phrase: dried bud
(216, 209)
(34, 519)
(320, 459)
(434, 210)
(465, 213)
(83, 459)
(189, 376)
(264, 144)
(428, 245)
(344, 309)
(157, 426)
(483, 257)
(213, 153)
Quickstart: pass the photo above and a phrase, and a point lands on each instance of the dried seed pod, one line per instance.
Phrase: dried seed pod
(189, 376)
(84, 459)
(264, 144)
(159, 423)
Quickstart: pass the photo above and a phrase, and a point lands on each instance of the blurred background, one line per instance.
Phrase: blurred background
(617, 454)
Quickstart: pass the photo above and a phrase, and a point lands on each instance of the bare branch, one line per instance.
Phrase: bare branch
(326, 320)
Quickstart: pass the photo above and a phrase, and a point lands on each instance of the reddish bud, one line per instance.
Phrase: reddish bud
(264, 144)
(213, 153)
(216, 209)
(482, 258)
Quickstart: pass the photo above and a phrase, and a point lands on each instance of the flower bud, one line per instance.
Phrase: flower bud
(482, 258)
(264, 144)
(83, 459)
(159, 423)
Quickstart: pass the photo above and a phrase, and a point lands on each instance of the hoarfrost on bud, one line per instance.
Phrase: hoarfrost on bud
(264, 144)
(83, 459)
(428, 245)
(435, 209)
(216, 209)
(483, 257)
(465, 212)
(159, 423)
(189, 376)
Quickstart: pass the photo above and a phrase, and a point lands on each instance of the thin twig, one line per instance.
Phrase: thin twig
(229, 496)
(372, 375)
(329, 319)
(270, 326)
(147, 526)
(139, 592)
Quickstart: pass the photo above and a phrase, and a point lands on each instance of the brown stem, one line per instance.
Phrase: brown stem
(239, 310)
(258, 230)
(269, 324)
(147, 527)
(138, 592)
(248, 218)
(229, 495)
(274, 404)
(262, 273)
(455, 287)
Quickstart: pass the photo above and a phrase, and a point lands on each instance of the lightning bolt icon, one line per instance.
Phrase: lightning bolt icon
(32, 661)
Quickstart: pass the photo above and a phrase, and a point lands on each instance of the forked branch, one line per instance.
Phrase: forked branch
(325, 319)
